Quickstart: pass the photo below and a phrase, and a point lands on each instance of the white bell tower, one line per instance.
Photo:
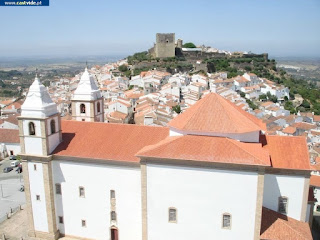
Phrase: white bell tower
(40, 134)
(87, 101)
(40, 122)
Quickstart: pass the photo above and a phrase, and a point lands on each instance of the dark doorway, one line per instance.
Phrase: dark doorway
(114, 234)
(11, 152)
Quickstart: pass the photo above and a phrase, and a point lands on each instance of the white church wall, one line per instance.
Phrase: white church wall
(33, 145)
(201, 196)
(39, 209)
(243, 137)
(53, 141)
(291, 187)
(95, 207)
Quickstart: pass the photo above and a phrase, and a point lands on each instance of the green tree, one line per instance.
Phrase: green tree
(177, 109)
(305, 104)
(263, 97)
(123, 68)
(189, 45)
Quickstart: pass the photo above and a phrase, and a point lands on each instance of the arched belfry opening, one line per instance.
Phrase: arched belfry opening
(82, 108)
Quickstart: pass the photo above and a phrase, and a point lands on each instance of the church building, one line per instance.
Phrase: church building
(211, 174)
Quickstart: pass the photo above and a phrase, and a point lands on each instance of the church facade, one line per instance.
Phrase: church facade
(212, 174)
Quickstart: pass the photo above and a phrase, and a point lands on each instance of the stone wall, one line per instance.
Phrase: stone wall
(165, 45)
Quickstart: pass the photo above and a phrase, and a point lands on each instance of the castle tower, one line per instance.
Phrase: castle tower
(165, 45)
(87, 101)
(40, 134)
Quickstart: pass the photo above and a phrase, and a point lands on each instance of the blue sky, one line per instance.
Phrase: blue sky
(105, 27)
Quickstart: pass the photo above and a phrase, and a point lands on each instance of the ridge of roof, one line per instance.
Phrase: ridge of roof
(213, 113)
(186, 147)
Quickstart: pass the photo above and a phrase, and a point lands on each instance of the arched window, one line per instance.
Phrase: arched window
(53, 126)
(226, 221)
(32, 129)
(98, 107)
(82, 108)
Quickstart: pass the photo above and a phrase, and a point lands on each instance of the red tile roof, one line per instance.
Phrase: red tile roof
(213, 113)
(315, 181)
(208, 149)
(304, 125)
(289, 130)
(106, 140)
(9, 136)
(287, 152)
(316, 118)
(275, 225)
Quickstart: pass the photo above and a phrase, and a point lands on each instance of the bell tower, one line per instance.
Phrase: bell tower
(40, 134)
(87, 101)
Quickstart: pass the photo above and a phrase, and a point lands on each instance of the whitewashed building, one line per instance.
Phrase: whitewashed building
(93, 180)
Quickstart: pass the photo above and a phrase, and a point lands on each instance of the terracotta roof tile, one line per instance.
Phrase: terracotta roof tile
(287, 152)
(275, 225)
(304, 126)
(208, 149)
(118, 142)
(316, 118)
(315, 181)
(213, 113)
(9, 136)
(289, 130)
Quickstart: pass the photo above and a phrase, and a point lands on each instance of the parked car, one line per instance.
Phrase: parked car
(13, 157)
(15, 163)
(7, 169)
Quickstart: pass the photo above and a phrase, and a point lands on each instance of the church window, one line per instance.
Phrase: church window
(83, 223)
(38, 197)
(32, 130)
(283, 205)
(60, 219)
(53, 126)
(98, 107)
(112, 194)
(81, 192)
(226, 220)
(58, 188)
(82, 108)
(113, 216)
(172, 215)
